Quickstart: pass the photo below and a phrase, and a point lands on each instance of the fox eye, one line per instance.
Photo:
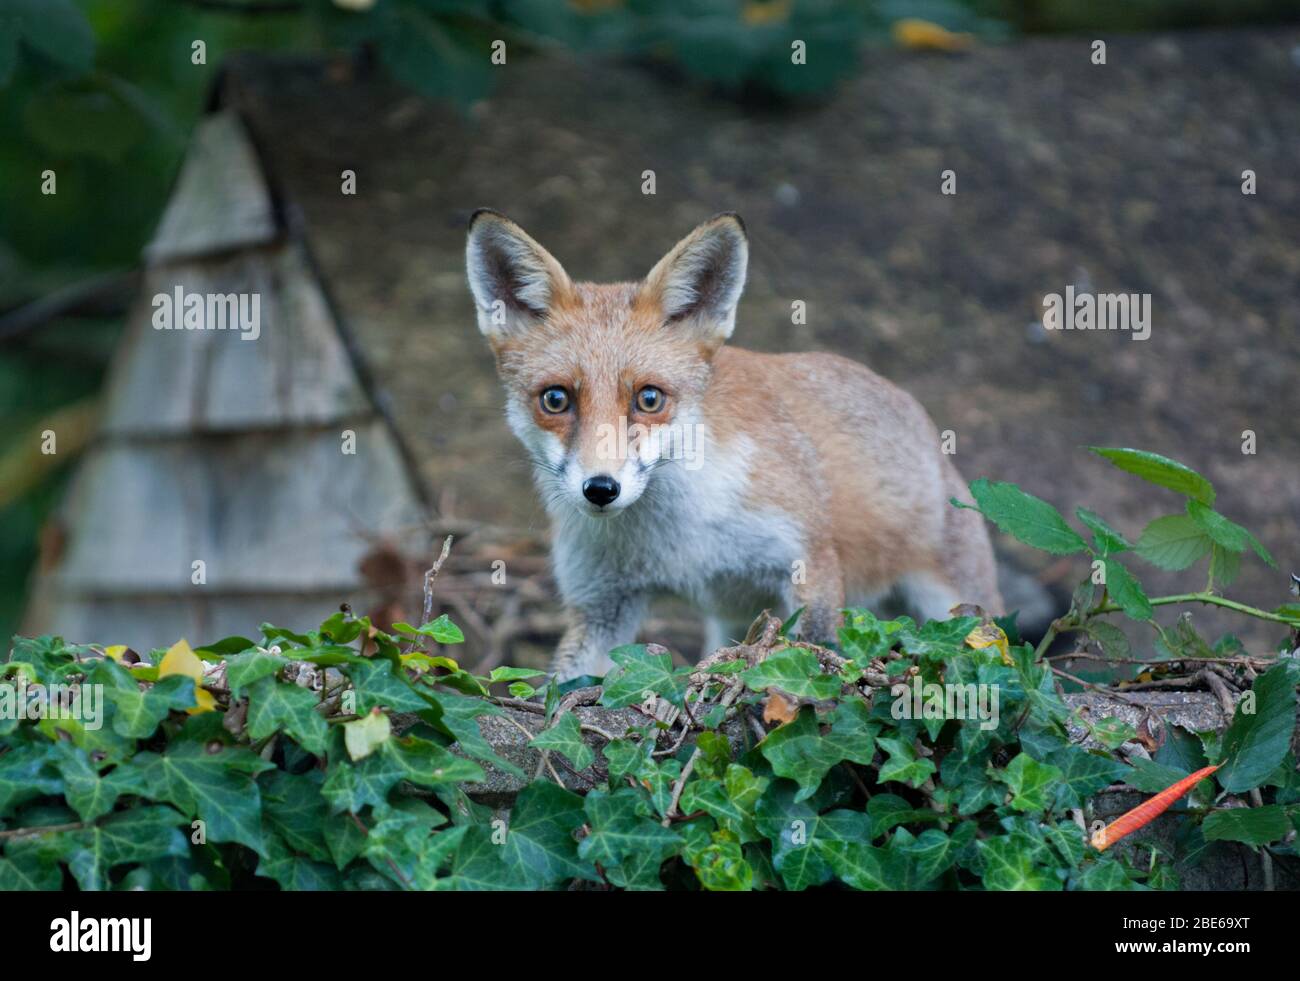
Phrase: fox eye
(650, 399)
(555, 400)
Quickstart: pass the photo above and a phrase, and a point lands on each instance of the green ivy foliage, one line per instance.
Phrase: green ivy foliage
(340, 758)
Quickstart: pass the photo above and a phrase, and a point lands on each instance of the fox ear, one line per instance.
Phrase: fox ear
(700, 280)
(514, 280)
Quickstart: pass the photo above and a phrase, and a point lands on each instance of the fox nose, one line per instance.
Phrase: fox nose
(600, 490)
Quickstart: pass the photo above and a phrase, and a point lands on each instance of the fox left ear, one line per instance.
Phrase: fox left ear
(514, 280)
(700, 280)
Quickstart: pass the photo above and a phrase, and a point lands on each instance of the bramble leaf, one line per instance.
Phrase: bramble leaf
(1260, 733)
(1025, 517)
(1160, 470)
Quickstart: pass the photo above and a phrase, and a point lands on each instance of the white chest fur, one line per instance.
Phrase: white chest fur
(691, 534)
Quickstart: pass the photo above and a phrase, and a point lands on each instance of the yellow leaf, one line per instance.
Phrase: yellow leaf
(989, 634)
(419, 661)
(116, 651)
(363, 736)
(915, 34)
(181, 659)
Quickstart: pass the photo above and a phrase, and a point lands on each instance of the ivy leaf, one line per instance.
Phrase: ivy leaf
(225, 648)
(378, 685)
(24, 775)
(52, 657)
(1174, 542)
(1069, 841)
(1112, 732)
(620, 830)
(89, 794)
(903, 765)
(441, 630)
(1127, 592)
(564, 736)
(274, 705)
(939, 639)
(729, 801)
(1106, 876)
(1025, 517)
(638, 872)
(1252, 825)
(343, 628)
(863, 638)
(249, 667)
(794, 671)
(626, 758)
(933, 852)
(402, 844)
(1009, 866)
(1260, 733)
(211, 781)
(540, 838)
(638, 671)
(295, 810)
(137, 713)
(459, 715)
(363, 736)
(343, 837)
(513, 674)
(720, 864)
(1104, 537)
(795, 828)
(1032, 784)
(26, 870)
(137, 835)
(296, 873)
(478, 863)
(800, 752)
(1082, 774)
(351, 786)
(1159, 470)
(861, 865)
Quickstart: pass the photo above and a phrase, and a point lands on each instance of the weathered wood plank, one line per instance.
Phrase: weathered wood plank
(276, 511)
(220, 201)
(291, 368)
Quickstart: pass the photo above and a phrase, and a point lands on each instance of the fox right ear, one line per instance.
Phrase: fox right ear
(514, 280)
(700, 280)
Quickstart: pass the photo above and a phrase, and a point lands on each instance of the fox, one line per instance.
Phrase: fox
(673, 463)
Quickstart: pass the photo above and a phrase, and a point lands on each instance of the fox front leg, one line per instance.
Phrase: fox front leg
(820, 592)
(596, 626)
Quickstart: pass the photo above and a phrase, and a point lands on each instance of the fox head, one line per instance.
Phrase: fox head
(604, 382)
